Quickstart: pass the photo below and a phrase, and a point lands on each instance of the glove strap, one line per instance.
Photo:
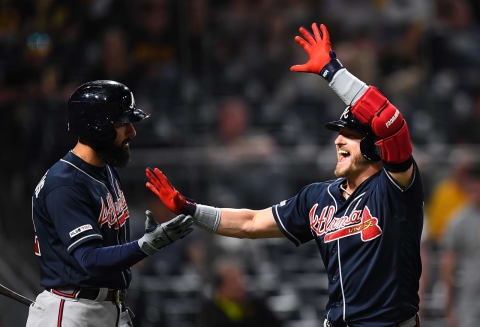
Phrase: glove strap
(207, 217)
(329, 70)
(146, 247)
(189, 208)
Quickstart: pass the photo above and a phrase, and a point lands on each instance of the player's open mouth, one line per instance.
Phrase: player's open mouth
(343, 155)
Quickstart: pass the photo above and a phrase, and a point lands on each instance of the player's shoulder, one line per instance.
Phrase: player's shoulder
(323, 186)
(415, 185)
(66, 172)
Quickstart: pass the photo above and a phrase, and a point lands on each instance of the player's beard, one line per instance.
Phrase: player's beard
(115, 155)
(357, 164)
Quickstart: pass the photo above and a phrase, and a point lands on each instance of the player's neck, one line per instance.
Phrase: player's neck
(354, 181)
(87, 154)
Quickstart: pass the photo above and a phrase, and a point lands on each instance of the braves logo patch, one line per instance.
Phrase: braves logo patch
(114, 213)
(336, 228)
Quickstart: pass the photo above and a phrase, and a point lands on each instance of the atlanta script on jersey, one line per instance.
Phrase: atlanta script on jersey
(72, 204)
(369, 243)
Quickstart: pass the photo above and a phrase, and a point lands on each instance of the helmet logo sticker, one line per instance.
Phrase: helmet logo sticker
(345, 113)
(132, 104)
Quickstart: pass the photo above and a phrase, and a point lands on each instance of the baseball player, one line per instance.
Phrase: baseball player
(367, 223)
(81, 217)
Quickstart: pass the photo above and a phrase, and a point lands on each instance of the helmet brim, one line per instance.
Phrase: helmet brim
(133, 116)
(336, 125)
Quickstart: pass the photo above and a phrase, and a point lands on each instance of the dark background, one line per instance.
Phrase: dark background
(230, 126)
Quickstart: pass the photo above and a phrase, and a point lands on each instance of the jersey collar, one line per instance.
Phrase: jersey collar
(337, 192)
(80, 163)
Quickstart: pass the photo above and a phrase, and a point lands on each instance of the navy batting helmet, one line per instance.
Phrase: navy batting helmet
(367, 146)
(94, 108)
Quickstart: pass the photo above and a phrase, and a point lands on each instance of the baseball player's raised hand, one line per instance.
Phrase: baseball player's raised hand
(158, 236)
(204, 216)
(173, 200)
(322, 60)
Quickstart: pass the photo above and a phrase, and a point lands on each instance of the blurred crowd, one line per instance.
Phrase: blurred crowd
(231, 123)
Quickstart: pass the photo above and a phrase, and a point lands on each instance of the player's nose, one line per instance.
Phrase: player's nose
(339, 140)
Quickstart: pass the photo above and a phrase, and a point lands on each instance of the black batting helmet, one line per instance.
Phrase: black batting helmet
(95, 106)
(367, 146)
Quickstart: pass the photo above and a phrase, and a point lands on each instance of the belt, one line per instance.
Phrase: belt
(412, 322)
(95, 294)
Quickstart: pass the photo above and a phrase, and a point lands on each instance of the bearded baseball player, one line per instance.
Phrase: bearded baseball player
(367, 223)
(81, 217)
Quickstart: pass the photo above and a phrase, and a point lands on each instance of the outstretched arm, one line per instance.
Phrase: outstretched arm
(367, 103)
(240, 223)
(98, 260)
(245, 223)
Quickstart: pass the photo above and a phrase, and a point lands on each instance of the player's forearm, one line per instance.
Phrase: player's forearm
(96, 260)
(237, 223)
(227, 222)
(347, 86)
(241, 223)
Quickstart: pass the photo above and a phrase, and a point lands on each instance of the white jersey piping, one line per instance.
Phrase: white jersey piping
(83, 238)
(281, 223)
(338, 253)
(357, 198)
(341, 277)
(71, 164)
(394, 182)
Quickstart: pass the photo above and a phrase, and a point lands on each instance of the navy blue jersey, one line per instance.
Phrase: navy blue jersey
(75, 203)
(369, 243)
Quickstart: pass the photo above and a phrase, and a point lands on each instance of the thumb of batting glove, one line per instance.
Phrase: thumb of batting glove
(322, 60)
(150, 222)
(158, 236)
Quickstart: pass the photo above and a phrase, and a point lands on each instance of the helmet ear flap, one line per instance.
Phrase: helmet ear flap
(370, 150)
(102, 130)
(98, 136)
(91, 124)
(102, 134)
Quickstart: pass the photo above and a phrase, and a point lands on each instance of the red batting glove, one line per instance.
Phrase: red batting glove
(173, 200)
(322, 59)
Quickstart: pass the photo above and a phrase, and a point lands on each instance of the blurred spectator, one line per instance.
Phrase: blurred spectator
(465, 129)
(180, 57)
(454, 39)
(231, 305)
(448, 196)
(461, 259)
(114, 61)
(238, 148)
(236, 135)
